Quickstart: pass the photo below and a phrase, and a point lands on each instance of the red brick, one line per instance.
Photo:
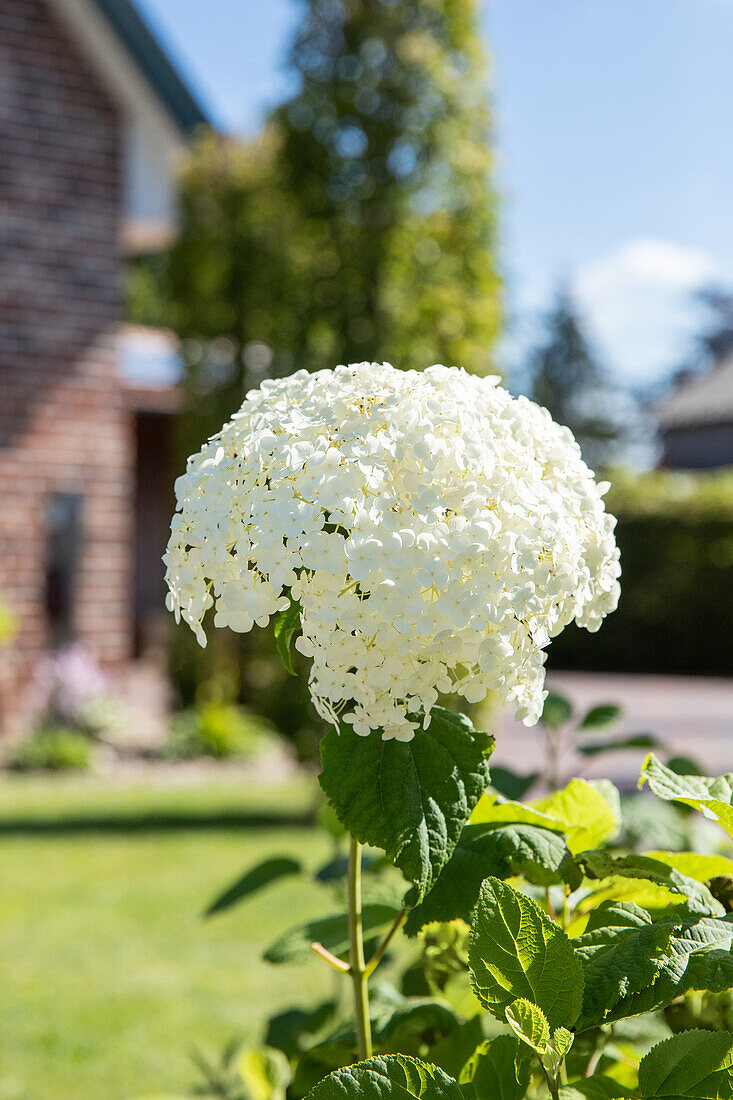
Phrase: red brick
(63, 423)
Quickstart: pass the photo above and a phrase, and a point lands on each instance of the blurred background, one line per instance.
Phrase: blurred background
(195, 197)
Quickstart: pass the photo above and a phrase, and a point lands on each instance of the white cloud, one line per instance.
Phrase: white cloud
(638, 304)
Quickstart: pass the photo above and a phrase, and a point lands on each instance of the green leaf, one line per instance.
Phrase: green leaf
(657, 899)
(499, 850)
(287, 626)
(326, 818)
(516, 951)
(254, 880)
(414, 1024)
(622, 954)
(400, 1025)
(634, 741)
(617, 914)
(499, 1069)
(492, 809)
(294, 946)
(557, 709)
(454, 1051)
(695, 865)
(594, 1088)
(410, 799)
(266, 1073)
(562, 1040)
(587, 813)
(295, 1028)
(600, 717)
(511, 784)
(713, 797)
(395, 1077)
(695, 1064)
(699, 956)
(529, 1023)
(600, 865)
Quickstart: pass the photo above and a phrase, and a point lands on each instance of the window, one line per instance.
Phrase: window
(63, 546)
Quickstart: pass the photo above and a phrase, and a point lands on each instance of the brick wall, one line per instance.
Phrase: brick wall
(63, 423)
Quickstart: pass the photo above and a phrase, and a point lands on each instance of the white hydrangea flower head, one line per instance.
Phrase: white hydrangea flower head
(436, 531)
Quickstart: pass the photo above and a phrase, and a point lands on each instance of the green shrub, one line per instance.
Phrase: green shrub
(52, 749)
(216, 729)
(244, 669)
(675, 532)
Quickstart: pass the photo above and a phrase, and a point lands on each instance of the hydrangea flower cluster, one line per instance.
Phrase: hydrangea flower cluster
(436, 531)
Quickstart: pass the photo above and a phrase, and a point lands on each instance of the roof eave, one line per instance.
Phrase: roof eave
(154, 64)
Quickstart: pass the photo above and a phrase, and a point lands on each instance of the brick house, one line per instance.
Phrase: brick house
(93, 118)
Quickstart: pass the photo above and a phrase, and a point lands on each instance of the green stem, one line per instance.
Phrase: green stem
(551, 1080)
(359, 975)
(379, 953)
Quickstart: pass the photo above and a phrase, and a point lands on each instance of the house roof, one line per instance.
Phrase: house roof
(154, 63)
(700, 400)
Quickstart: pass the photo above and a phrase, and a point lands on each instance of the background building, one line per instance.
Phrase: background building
(696, 420)
(93, 119)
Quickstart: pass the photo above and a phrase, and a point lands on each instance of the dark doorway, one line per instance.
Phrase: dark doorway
(154, 507)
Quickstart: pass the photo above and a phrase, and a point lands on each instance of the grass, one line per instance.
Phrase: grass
(109, 974)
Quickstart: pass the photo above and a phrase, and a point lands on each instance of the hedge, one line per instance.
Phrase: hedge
(675, 531)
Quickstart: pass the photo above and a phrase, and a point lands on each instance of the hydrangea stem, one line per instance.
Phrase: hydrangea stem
(359, 974)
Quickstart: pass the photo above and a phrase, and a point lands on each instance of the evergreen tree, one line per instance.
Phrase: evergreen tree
(568, 381)
(387, 148)
(715, 341)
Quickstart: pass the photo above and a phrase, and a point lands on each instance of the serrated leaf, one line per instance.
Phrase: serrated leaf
(266, 1072)
(529, 1023)
(410, 799)
(695, 1064)
(699, 956)
(516, 951)
(395, 1077)
(499, 1068)
(621, 955)
(616, 744)
(601, 865)
(499, 850)
(600, 717)
(287, 627)
(617, 915)
(713, 797)
(557, 709)
(254, 880)
(594, 1088)
(562, 1040)
(657, 899)
(294, 946)
(584, 811)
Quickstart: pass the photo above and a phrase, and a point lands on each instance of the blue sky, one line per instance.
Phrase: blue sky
(614, 124)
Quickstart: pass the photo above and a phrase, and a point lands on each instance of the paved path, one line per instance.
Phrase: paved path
(693, 714)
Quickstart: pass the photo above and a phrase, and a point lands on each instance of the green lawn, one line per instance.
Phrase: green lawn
(108, 972)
